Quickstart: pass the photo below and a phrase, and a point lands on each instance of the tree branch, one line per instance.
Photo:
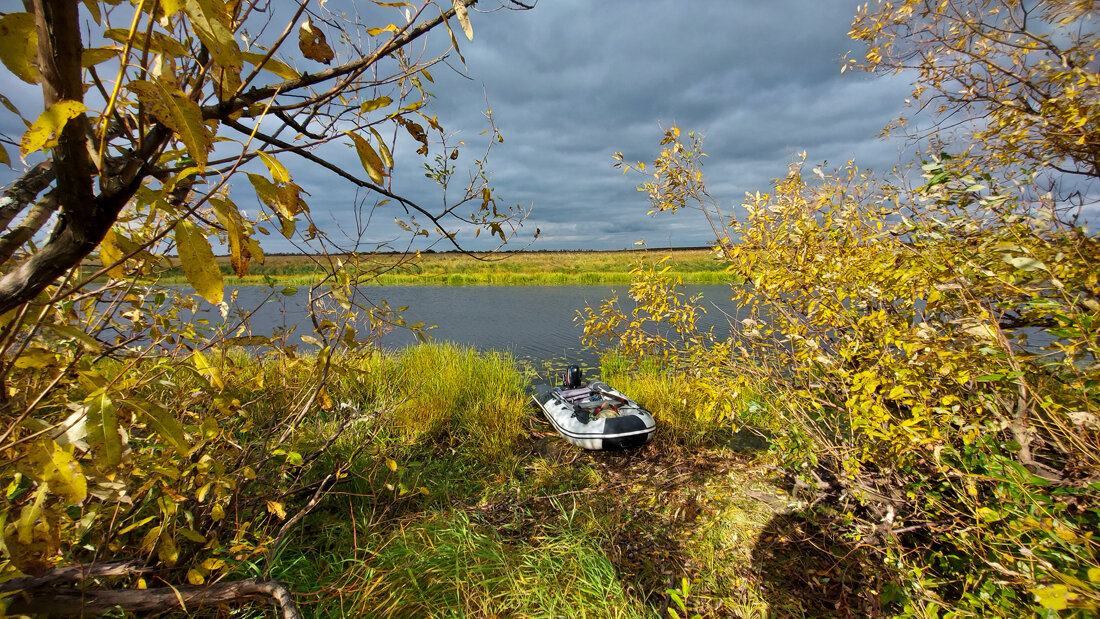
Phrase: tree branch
(71, 602)
(24, 191)
(33, 222)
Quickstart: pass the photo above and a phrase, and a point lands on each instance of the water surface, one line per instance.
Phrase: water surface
(534, 323)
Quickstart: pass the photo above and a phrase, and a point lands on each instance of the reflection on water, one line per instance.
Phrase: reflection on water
(534, 323)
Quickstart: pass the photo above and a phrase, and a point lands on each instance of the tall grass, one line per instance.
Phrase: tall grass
(449, 394)
(685, 413)
(446, 566)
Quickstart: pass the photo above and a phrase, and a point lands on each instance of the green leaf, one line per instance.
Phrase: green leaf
(197, 260)
(103, 431)
(174, 110)
(44, 131)
(163, 423)
(372, 163)
(19, 46)
(87, 342)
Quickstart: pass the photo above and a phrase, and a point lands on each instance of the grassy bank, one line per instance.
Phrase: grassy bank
(466, 503)
(695, 266)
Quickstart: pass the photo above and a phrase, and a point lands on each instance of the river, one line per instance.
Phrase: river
(534, 323)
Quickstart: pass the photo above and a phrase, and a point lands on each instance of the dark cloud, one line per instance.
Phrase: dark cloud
(573, 81)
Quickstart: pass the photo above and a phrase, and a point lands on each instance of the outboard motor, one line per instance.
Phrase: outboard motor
(573, 377)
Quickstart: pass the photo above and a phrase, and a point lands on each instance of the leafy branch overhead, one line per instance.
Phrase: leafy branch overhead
(169, 131)
(156, 115)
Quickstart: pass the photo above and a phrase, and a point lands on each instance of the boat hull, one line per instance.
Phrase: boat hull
(576, 415)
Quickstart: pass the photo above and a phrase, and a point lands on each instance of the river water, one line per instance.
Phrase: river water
(534, 323)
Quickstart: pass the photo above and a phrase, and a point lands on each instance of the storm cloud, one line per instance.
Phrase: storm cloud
(573, 81)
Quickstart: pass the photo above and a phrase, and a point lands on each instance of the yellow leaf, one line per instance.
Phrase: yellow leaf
(163, 422)
(211, 564)
(52, 464)
(454, 41)
(283, 199)
(31, 541)
(387, 158)
(35, 357)
(197, 260)
(211, 22)
(92, 56)
(278, 68)
(277, 508)
(156, 42)
(463, 18)
(278, 170)
(374, 104)
(110, 253)
(171, 7)
(195, 577)
(167, 549)
(174, 110)
(313, 44)
(240, 250)
(372, 163)
(4, 158)
(43, 133)
(212, 373)
(1053, 597)
(217, 513)
(377, 31)
(19, 46)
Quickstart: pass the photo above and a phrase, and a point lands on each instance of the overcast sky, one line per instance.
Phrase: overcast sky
(573, 81)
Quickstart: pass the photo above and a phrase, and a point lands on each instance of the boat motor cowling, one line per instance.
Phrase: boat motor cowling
(573, 377)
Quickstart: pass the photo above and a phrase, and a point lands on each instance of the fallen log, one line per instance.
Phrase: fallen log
(75, 601)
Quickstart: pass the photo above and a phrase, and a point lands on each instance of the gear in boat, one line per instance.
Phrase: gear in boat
(594, 416)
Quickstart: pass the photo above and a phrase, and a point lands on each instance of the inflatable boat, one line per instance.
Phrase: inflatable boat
(594, 416)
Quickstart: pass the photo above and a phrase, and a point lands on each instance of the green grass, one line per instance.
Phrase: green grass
(461, 501)
(489, 513)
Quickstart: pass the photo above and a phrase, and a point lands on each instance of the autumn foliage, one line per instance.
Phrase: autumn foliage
(926, 347)
(139, 442)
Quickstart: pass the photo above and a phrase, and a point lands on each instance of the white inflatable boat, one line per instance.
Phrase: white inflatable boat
(595, 416)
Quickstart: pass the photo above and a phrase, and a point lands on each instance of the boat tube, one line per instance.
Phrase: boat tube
(594, 416)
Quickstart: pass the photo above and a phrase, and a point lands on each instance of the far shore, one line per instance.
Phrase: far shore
(522, 268)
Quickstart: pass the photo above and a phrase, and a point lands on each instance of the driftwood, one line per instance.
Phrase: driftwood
(41, 595)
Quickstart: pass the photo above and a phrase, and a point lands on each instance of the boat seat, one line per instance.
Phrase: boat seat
(574, 396)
